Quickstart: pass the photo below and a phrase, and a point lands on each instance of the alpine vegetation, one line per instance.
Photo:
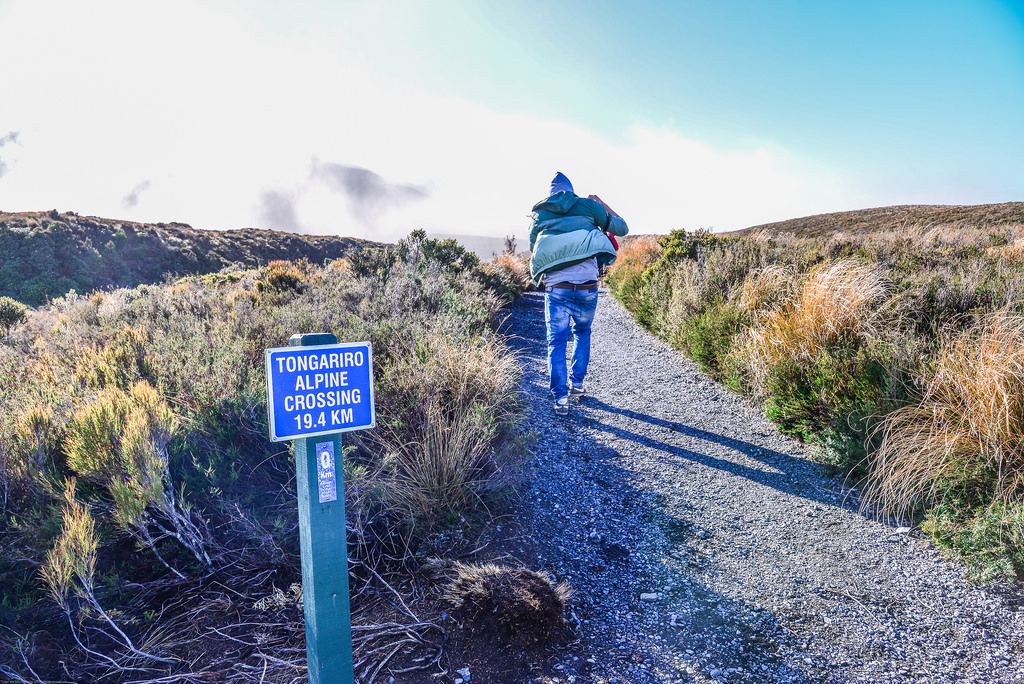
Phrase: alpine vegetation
(895, 348)
(146, 516)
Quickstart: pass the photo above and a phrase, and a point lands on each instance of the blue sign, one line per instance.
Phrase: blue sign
(319, 390)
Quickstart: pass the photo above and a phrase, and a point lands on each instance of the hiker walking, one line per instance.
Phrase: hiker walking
(569, 239)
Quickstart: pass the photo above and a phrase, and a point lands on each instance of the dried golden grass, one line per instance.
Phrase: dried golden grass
(766, 289)
(1013, 253)
(837, 301)
(968, 428)
(636, 253)
(516, 269)
(470, 390)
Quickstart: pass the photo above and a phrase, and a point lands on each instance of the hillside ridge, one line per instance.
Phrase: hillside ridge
(864, 221)
(45, 254)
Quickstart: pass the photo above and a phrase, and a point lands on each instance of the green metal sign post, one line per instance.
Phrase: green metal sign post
(323, 542)
(311, 392)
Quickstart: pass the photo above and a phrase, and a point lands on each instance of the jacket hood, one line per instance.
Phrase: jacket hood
(559, 203)
(560, 184)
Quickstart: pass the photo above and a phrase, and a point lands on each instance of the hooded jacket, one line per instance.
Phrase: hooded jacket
(567, 230)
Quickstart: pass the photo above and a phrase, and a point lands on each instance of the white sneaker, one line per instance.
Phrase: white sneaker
(562, 407)
(575, 391)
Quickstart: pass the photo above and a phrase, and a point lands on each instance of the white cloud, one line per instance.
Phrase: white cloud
(221, 121)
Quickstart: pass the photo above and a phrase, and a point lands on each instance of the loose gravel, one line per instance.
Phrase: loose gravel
(704, 546)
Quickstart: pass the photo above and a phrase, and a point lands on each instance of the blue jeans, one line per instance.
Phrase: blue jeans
(563, 309)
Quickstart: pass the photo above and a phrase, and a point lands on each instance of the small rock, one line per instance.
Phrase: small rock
(464, 672)
(649, 597)
(715, 673)
(902, 530)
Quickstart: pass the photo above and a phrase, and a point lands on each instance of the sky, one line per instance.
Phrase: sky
(371, 118)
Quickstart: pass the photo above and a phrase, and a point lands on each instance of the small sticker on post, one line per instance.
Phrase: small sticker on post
(326, 475)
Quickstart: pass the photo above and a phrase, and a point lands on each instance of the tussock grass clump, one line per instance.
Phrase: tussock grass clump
(512, 602)
(836, 304)
(809, 359)
(766, 290)
(965, 438)
(454, 443)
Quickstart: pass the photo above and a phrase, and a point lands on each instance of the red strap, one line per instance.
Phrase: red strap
(615, 242)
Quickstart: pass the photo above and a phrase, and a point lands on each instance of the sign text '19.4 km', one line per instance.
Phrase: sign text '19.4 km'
(319, 390)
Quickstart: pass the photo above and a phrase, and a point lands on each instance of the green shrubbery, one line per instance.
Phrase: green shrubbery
(138, 449)
(12, 312)
(864, 347)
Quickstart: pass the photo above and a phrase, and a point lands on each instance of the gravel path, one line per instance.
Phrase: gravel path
(705, 546)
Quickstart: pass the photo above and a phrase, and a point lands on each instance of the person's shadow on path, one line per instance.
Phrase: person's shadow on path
(786, 473)
(789, 474)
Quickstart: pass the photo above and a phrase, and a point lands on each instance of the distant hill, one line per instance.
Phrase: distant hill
(45, 254)
(920, 216)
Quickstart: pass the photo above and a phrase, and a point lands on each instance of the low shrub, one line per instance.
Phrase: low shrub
(282, 276)
(989, 539)
(153, 399)
(119, 441)
(708, 336)
(70, 566)
(12, 312)
(897, 352)
(626, 276)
